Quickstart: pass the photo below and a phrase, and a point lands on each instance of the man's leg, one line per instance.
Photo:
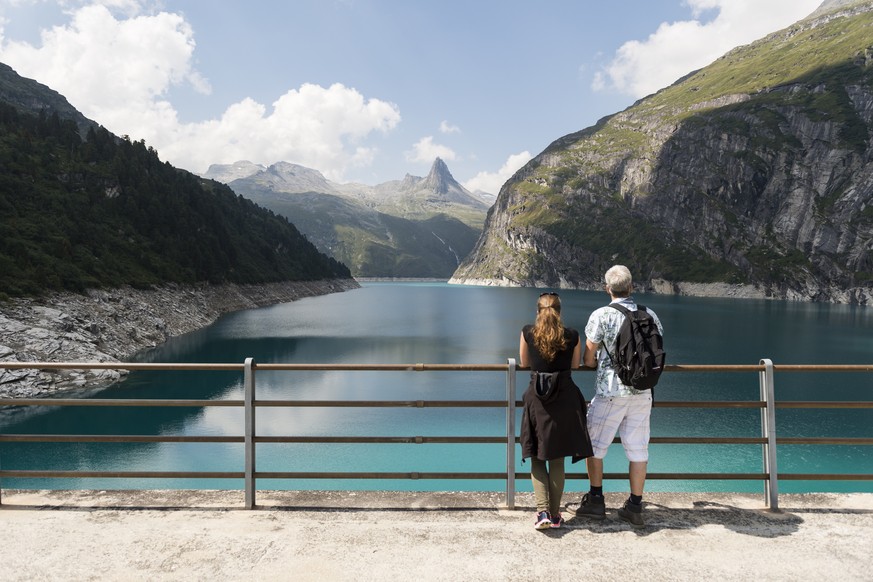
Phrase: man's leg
(637, 472)
(634, 432)
(593, 504)
(595, 471)
(602, 425)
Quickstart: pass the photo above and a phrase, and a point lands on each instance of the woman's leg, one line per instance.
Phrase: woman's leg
(539, 475)
(556, 485)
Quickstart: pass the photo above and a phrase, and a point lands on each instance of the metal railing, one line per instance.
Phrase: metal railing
(250, 438)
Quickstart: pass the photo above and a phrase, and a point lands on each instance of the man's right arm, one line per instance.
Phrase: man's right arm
(589, 358)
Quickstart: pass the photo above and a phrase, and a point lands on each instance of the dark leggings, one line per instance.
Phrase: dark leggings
(548, 484)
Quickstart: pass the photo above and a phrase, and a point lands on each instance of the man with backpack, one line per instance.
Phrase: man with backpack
(624, 343)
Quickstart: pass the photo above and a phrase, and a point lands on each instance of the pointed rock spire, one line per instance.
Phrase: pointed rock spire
(439, 179)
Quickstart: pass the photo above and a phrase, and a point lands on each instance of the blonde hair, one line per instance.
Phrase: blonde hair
(548, 330)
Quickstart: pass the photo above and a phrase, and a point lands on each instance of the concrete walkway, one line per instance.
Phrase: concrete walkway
(206, 535)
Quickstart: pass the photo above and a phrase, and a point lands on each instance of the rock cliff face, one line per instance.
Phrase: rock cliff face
(113, 325)
(754, 172)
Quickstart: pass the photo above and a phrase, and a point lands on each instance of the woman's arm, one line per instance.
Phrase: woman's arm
(577, 355)
(523, 357)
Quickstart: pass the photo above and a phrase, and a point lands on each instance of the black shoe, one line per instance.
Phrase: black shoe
(593, 506)
(632, 513)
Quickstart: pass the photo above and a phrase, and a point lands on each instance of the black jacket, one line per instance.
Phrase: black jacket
(553, 424)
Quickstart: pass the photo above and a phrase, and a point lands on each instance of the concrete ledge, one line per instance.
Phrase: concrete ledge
(348, 535)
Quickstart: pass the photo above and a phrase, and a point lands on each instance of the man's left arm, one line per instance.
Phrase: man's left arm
(590, 357)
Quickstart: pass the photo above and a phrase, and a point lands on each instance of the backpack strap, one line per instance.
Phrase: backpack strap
(627, 313)
(622, 308)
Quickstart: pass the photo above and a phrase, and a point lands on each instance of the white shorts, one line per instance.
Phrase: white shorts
(627, 415)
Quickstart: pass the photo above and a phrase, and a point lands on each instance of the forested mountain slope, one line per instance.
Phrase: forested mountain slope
(91, 210)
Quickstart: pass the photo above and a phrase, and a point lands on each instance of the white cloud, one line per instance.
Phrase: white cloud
(112, 67)
(640, 68)
(491, 182)
(314, 126)
(118, 71)
(446, 127)
(424, 150)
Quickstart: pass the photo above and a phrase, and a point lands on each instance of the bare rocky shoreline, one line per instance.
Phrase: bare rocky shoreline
(112, 325)
(852, 296)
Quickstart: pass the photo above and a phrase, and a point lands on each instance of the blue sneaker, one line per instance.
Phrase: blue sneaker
(544, 520)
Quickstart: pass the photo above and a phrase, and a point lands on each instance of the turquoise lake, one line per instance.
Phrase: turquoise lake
(436, 323)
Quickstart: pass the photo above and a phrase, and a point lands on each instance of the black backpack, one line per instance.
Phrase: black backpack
(639, 349)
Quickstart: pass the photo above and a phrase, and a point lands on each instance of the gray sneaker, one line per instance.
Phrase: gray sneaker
(592, 506)
(632, 513)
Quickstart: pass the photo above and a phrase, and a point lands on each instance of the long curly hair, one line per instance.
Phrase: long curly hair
(548, 330)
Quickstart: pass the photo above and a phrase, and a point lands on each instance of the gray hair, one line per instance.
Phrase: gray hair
(619, 281)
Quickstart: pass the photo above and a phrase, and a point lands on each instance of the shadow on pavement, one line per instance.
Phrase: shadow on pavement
(754, 522)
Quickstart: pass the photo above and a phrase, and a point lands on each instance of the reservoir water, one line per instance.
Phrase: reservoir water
(436, 323)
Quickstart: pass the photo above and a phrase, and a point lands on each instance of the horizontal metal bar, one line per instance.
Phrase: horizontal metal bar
(384, 367)
(427, 475)
(381, 475)
(100, 438)
(158, 402)
(709, 404)
(41, 438)
(826, 476)
(116, 366)
(384, 403)
(704, 440)
(823, 368)
(417, 367)
(122, 474)
(24, 474)
(382, 439)
(712, 368)
(124, 402)
(823, 441)
(676, 476)
(820, 404)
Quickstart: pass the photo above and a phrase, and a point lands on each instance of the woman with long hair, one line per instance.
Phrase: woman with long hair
(553, 425)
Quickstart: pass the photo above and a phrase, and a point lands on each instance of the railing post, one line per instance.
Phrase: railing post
(249, 402)
(768, 431)
(510, 434)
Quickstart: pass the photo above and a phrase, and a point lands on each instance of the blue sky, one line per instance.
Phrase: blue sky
(369, 90)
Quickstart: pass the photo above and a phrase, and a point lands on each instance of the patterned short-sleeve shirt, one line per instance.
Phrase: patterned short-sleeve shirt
(602, 328)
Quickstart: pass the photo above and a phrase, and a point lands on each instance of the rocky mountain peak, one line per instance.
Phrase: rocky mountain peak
(439, 179)
(227, 173)
(297, 178)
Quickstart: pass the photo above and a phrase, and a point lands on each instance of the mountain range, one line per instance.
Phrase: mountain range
(755, 171)
(417, 227)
